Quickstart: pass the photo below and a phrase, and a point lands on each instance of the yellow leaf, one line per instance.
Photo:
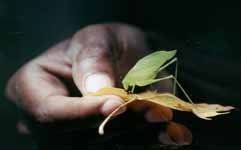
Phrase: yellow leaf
(113, 91)
(165, 99)
(204, 111)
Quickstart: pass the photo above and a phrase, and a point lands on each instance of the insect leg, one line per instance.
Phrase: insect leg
(132, 89)
(101, 127)
(176, 71)
(179, 85)
(168, 64)
(176, 67)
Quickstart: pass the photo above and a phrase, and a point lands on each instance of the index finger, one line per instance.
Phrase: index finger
(37, 89)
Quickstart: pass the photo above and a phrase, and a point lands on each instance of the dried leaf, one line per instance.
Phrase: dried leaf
(144, 73)
(112, 91)
(165, 99)
(204, 111)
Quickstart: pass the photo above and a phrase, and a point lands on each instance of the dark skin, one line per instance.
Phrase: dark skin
(95, 57)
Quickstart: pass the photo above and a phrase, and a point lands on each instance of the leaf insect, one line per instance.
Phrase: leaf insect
(146, 70)
(144, 73)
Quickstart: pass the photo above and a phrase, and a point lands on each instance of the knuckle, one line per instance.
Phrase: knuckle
(22, 79)
(93, 39)
(19, 88)
(93, 28)
(14, 83)
(23, 73)
(41, 115)
(90, 33)
(8, 91)
(106, 39)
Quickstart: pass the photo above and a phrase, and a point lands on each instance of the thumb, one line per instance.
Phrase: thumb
(91, 73)
(92, 52)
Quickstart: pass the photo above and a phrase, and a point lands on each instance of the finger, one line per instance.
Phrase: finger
(93, 62)
(62, 107)
(55, 60)
(153, 113)
(176, 134)
(95, 51)
(158, 114)
(45, 97)
(100, 48)
(93, 55)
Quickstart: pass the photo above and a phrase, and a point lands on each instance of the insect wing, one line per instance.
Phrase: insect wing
(147, 68)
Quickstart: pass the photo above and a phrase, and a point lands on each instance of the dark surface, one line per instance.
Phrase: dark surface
(207, 36)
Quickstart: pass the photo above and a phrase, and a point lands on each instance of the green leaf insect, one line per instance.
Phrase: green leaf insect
(144, 73)
(146, 70)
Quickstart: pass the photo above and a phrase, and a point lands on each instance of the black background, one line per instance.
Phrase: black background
(207, 35)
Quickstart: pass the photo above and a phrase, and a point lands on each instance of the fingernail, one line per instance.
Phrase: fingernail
(110, 105)
(165, 139)
(179, 133)
(95, 82)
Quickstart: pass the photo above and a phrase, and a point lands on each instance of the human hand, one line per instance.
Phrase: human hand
(95, 57)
